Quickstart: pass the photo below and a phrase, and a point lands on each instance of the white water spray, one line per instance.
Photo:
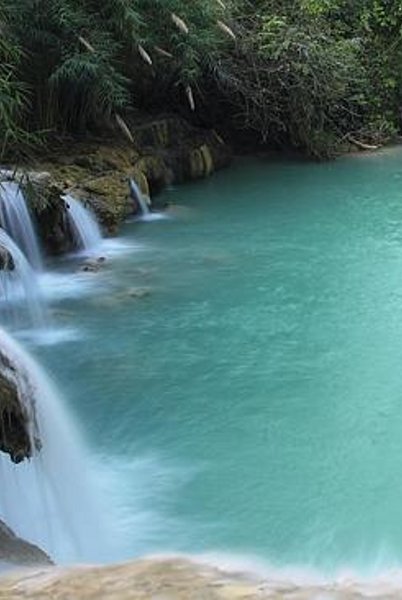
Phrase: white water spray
(16, 220)
(50, 499)
(20, 295)
(85, 229)
(139, 198)
(144, 204)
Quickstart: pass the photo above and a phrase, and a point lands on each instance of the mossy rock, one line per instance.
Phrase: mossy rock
(152, 174)
(165, 150)
(109, 197)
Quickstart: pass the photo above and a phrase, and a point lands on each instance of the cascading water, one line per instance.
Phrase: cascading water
(16, 220)
(143, 202)
(139, 198)
(49, 500)
(19, 290)
(85, 229)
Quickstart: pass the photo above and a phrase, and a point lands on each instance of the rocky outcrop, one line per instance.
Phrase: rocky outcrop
(17, 551)
(45, 197)
(97, 171)
(6, 260)
(178, 579)
(14, 421)
(46, 200)
(17, 437)
(183, 152)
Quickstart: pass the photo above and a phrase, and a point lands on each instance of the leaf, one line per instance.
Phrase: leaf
(190, 97)
(144, 55)
(86, 44)
(223, 27)
(180, 24)
(163, 52)
(122, 124)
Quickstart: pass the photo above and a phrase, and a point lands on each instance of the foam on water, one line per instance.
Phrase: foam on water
(52, 500)
(139, 198)
(293, 582)
(297, 581)
(76, 283)
(56, 286)
(138, 490)
(153, 216)
(20, 293)
(50, 336)
(117, 247)
(86, 231)
(16, 220)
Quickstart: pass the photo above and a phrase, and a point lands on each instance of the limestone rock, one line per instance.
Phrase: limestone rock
(14, 420)
(137, 292)
(18, 425)
(165, 150)
(43, 193)
(93, 265)
(122, 297)
(6, 260)
(34, 177)
(17, 551)
(179, 579)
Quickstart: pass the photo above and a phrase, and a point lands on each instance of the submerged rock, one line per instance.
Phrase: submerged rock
(137, 292)
(93, 265)
(122, 297)
(17, 551)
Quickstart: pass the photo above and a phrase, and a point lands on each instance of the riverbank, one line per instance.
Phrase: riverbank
(155, 152)
(183, 579)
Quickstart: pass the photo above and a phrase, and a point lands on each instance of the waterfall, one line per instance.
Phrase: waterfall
(49, 500)
(85, 229)
(16, 220)
(19, 291)
(139, 198)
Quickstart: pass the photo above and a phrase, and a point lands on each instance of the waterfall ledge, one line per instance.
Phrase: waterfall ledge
(15, 420)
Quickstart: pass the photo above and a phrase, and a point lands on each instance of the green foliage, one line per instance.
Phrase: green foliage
(13, 93)
(72, 84)
(192, 51)
(305, 73)
(321, 77)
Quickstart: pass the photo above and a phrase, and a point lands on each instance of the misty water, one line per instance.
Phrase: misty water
(237, 368)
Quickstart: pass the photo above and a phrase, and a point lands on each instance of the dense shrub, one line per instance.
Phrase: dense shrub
(303, 73)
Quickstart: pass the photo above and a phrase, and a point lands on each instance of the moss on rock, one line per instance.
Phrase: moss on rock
(165, 150)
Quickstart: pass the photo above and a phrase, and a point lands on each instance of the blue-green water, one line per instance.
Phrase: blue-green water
(250, 401)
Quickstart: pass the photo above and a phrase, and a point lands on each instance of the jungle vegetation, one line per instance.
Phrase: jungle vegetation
(306, 74)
